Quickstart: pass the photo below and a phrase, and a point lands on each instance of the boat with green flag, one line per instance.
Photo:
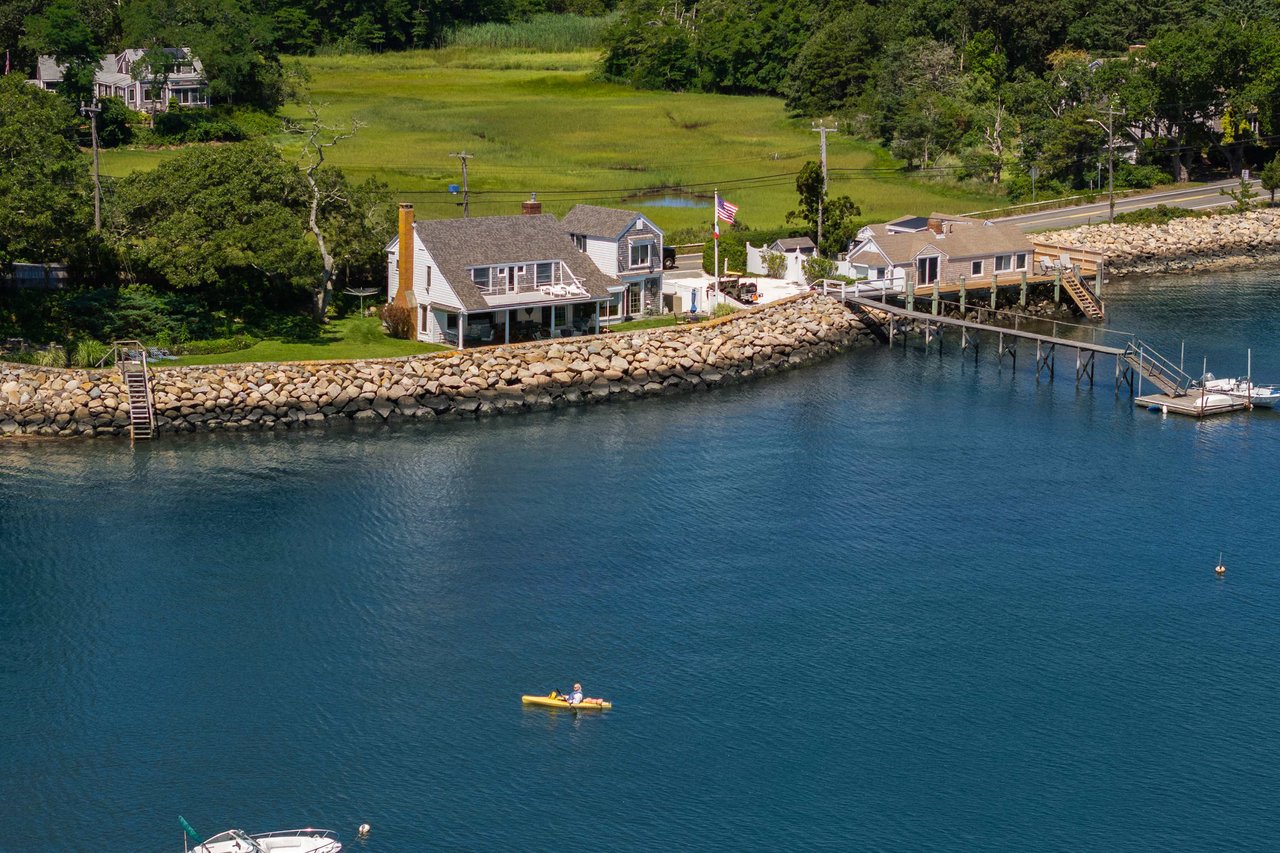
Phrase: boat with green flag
(237, 841)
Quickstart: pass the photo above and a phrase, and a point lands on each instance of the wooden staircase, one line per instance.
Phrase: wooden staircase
(1084, 297)
(1157, 369)
(131, 358)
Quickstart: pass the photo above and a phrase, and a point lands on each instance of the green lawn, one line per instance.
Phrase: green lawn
(540, 122)
(349, 338)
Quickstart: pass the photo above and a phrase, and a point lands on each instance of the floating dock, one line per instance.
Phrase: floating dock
(1192, 405)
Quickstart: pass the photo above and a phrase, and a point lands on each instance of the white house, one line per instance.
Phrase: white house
(945, 249)
(185, 84)
(494, 279)
(627, 247)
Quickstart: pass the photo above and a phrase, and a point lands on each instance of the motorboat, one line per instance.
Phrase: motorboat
(291, 840)
(1267, 396)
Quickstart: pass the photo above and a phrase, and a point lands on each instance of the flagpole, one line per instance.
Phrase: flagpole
(715, 233)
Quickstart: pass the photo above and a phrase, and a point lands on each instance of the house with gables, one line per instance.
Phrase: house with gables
(185, 84)
(939, 249)
(627, 247)
(494, 279)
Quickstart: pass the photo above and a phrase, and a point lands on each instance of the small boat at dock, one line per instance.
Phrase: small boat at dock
(1265, 396)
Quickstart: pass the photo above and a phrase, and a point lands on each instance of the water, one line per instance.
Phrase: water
(893, 602)
(672, 201)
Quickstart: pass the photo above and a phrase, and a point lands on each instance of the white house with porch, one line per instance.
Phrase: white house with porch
(627, 247)
(120, 75)
(494, 279)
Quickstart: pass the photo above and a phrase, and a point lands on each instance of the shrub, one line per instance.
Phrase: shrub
(54, 356)
(817, 268)
(1140, 177)
(724, 309)
(548, 31)
(90, 353)
(217, 345)
(1158, 215)
(398, 320)
(297, 329)
(775, 263)
(195, 124)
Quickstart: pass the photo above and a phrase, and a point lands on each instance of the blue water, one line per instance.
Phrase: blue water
(672, 201)
(893, 602)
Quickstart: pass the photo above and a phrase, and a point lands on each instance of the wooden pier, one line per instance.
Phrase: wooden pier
(1134, 360)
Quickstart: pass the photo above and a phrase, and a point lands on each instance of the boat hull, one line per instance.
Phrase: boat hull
(549, 702)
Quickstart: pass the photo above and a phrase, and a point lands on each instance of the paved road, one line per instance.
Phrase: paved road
(1195, 198)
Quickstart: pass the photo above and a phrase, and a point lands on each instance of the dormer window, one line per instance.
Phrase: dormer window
(543, 274)
(480, 275)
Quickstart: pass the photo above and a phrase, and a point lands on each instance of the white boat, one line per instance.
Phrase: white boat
(1242, 389)
(291, 840)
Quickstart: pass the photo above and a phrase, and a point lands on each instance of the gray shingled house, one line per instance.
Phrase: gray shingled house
(627, 247)
(185, 84)
(496, 278)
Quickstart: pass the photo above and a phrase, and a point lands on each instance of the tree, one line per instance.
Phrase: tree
(226, 224)
(63, 33)
(836, 66)
(44, 195)
(837, 213)
(1242, 196)
(1270, 177)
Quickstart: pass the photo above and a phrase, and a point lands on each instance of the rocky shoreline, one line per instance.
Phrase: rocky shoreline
(1230, 241)
(474, 383)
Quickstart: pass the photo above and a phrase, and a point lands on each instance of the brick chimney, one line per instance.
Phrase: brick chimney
(935, 225)
(404, 282)
(532, 207)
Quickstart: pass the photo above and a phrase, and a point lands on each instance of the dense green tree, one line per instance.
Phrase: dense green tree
(1270, 177)
(44, 196)
(837, 214)
(834, 68)
(225, 223)
(63, 31)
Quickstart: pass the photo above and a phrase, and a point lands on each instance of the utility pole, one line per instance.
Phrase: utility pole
(822, 130)
(1109, 127)
(466, 195)
(91, 110)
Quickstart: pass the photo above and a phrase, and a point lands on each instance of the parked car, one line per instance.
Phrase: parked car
(668, 257)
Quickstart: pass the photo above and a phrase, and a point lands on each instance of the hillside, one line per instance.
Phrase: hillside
(542, 122)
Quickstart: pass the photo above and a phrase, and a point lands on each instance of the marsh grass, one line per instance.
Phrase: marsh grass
(548, 32)
(541, 121)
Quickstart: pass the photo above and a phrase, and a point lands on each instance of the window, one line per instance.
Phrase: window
(561, 316)
(879, 272)
(612, 308)
(1022, 261)
(1004, 263)
(543, 275)
(580, 242)
(976, 268)
(480, 275)
(640, 254)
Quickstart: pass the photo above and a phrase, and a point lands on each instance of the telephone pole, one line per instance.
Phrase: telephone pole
(91, 110)
(822, 130)
(466, 195)
(1109, 127)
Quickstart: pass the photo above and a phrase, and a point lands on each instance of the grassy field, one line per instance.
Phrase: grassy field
(541, 122)
(351, 337)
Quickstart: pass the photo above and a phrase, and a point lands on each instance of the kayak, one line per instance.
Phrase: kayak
(557, 702)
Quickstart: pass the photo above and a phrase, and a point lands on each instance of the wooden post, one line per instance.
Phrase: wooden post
(963, 291)
(1097, 279)
(1057, 288)
(993, 293)
(1022, 298)
(935, 298)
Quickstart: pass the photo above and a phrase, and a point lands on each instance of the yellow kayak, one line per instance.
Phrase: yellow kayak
(558, 702)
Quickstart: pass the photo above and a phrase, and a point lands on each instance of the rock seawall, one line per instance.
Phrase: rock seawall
(469, 384)
(1230, 241)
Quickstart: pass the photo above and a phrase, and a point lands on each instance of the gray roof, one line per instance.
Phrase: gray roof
(48, 70)
(457, 244)
(788, 244)
(964, 241)
(592, 221)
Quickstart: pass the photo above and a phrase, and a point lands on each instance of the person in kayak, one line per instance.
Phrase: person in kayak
(575, 697)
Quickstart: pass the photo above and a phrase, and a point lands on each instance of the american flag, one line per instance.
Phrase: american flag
(725, 210)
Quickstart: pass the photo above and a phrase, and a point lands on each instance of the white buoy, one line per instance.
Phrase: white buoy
(1220, 568)
(1164, 409)
(363, 831)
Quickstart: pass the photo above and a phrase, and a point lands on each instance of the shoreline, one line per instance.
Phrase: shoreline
(454, 385)
(1195, 244)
